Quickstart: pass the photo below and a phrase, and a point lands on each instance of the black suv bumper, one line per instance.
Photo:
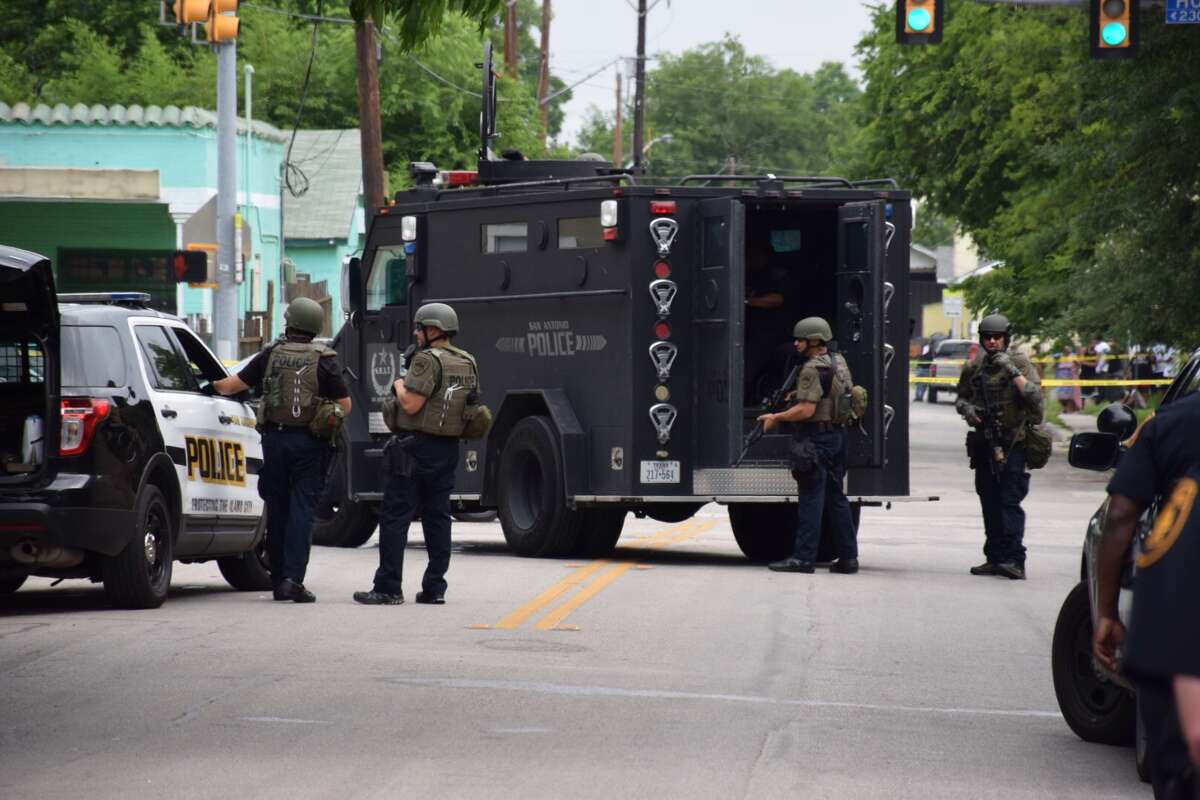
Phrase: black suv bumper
(67, 513)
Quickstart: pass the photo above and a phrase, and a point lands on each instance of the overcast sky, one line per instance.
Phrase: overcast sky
(796, 34)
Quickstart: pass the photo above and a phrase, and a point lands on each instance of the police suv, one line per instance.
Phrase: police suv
(626, 334)
(114, 461)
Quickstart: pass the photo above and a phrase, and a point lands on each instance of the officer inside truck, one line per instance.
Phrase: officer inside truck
(766, 320)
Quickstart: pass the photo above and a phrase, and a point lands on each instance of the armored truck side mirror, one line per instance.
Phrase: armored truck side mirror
(352, 287)
(1094, 451)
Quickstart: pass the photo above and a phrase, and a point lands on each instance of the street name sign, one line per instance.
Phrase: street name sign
(1183, 12)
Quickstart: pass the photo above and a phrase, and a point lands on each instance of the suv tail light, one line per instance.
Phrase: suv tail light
(80, 416)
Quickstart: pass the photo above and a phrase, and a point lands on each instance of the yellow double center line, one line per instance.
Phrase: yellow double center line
(554, 618)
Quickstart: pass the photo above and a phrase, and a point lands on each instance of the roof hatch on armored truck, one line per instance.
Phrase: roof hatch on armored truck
(28, 362)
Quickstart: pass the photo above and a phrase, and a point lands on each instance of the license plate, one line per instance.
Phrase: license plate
(660, 472)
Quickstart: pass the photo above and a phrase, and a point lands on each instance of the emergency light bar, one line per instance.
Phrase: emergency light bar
(114, 298)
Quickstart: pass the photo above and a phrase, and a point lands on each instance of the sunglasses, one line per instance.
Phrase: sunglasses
(987, 336)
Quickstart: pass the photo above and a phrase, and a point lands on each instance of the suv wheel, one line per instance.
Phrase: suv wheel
(12, 581)
(140, 575)
(251, 571)
(1097, 709)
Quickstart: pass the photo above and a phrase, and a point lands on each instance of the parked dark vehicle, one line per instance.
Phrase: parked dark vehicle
(616, 344)
(1100, 705)
(948, 358)
(114, 463)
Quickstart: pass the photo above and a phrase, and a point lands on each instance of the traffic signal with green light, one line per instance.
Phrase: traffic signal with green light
(222, 24)
(1114, 28)
(919, 21)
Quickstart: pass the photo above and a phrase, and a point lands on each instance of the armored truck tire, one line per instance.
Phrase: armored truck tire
(140, 575)
(475, 515)
(764, 531)
(532, 499)
(598, 532)
(351, 522)
(251, 571)
(1097, 709)
(11, 582)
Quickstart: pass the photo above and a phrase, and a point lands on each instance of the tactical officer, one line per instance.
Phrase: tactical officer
(999, 396)
(821, 440)
(296, 376)
(427, 414)
(1163, 649)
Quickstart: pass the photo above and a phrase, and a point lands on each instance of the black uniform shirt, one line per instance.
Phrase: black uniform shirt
(329, 374)
(1164, 637)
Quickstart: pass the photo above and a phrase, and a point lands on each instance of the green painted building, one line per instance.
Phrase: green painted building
(108, 192)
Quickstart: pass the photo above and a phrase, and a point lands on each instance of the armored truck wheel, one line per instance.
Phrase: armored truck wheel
(351, 523)
(140, 575)
(532, 498)
(764, 531)
(1097, 709)
(672, 512)
(599, 532)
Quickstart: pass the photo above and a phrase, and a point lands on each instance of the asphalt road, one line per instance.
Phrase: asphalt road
(674, 670)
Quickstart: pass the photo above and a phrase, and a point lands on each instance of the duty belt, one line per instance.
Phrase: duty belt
(809, 428)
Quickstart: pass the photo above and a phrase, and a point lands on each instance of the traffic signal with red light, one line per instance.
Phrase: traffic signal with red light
(222, 24)
(1115, 26)
(190, 266)
(919, 21)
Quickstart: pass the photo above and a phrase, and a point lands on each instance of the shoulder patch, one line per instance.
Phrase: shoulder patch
(418, 367)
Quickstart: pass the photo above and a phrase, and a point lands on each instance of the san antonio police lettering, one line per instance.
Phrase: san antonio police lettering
(215, 461)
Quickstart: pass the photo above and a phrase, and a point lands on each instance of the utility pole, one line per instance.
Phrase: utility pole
(510, 39)
(617, 134)
(369, 126)
(639, 99)
(225, 304)
(544, 70)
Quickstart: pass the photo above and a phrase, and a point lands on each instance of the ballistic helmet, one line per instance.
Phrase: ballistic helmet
(305, 315)
(813, 328)
(438, 314)
(995, 323)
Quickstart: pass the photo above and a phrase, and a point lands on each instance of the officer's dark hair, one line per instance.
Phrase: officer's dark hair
(297, 335)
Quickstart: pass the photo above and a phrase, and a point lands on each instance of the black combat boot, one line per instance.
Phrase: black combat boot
(986, 568)
(374, 598)
(845, 566)
(792, 565)
(289, 589)
(1011, 570)
(430, 599)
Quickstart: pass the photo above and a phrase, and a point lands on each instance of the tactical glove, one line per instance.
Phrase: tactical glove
(1005, 362)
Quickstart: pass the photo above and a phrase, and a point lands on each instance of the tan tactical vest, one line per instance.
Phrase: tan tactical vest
(1001, 394)
(457, 385)
(291, 392)
(836, 372)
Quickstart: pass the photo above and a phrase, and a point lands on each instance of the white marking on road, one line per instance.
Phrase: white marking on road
(286, 721)
(664, 694)
(521, 730)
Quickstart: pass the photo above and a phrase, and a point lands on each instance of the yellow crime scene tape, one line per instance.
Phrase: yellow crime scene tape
(1050, 383)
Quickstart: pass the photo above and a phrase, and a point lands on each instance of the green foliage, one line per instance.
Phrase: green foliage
(421, 20)
(724, 107)
(1079, 175)
(92, 52)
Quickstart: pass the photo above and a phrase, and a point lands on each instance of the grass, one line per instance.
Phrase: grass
(1091, 408)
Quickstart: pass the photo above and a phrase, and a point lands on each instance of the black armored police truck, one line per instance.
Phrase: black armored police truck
(627, 333)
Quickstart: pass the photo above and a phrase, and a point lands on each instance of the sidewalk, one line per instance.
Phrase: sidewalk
(1072, 424)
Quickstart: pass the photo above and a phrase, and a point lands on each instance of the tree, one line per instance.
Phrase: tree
(726, 108)
(1079, 175)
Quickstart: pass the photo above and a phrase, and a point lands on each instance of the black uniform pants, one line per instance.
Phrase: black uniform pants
(1000, 497)
(290, 483)
(1170, 767)
(824, 495)
(427, 490)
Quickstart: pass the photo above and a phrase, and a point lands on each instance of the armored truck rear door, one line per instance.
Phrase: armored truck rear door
(859, 321)
(718, 292)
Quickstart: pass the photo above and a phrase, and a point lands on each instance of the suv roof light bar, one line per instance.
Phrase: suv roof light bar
(139, 299)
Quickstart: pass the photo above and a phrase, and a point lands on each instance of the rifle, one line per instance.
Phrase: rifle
(993, 433)
(772, 403)
(406, 358)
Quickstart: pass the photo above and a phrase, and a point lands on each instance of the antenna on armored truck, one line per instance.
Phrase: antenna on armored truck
(487, 115)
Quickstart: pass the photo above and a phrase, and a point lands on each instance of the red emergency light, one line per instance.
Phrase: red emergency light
(662, 206)
(460, 177)
(662, 269)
